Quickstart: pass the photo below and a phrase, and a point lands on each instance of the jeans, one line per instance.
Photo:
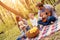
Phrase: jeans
(23, 35)
(20, 38)
(27, 28)
(49, 19)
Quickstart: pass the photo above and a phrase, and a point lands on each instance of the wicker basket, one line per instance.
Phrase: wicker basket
(33, 34)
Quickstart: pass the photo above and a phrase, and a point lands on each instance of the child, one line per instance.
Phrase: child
(23, 26)
(33, 20)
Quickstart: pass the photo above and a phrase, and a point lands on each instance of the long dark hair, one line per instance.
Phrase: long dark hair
(17, 19)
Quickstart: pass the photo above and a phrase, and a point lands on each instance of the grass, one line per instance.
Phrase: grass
(58, 9)
(11, 34)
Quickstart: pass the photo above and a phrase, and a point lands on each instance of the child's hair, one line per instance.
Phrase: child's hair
(30, 14)
(39, 5)
(17, 19)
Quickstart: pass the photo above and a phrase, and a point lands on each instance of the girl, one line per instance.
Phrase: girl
(23, 26)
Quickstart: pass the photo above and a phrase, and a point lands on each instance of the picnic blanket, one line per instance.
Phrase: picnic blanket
(48, 30)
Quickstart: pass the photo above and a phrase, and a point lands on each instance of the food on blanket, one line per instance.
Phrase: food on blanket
(32, 32)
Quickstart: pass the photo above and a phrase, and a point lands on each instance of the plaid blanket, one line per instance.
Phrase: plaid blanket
(48, 30)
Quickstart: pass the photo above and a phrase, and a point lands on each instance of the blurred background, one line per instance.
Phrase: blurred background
(8, 26)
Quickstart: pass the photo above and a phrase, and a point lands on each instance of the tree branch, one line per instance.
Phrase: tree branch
(11, 9)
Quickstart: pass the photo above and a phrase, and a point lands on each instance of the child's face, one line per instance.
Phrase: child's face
(20, 18)
(31, 16)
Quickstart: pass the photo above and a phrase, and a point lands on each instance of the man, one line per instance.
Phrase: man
(48, 9)
(42, 8)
